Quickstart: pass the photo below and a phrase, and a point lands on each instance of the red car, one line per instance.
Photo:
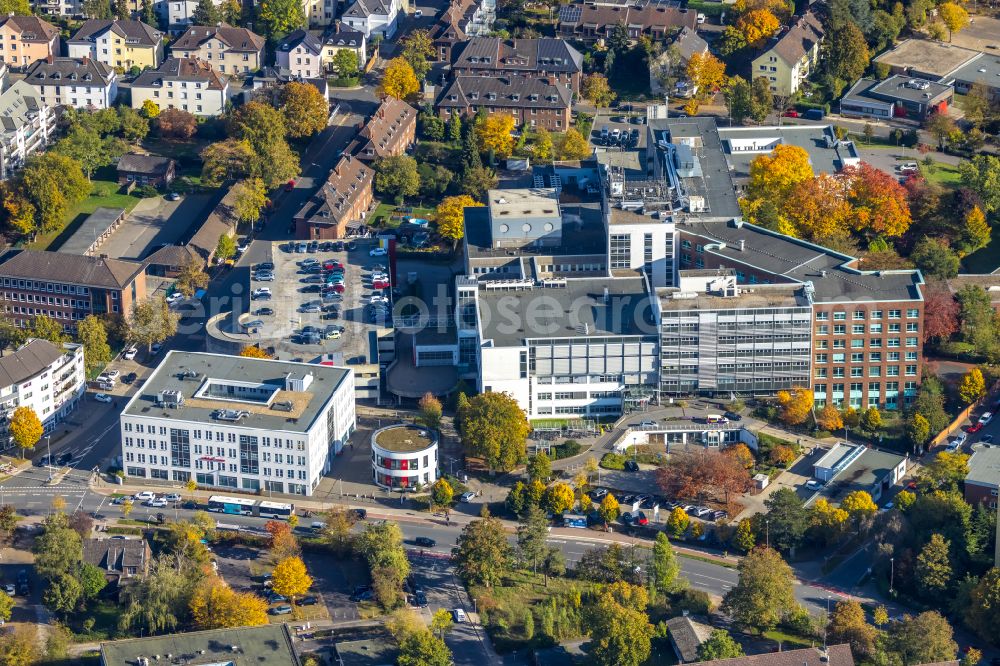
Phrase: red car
(975, 427)
(641, 519)
(791, 113)
(339, 288)
(289, 186)
(380, 284)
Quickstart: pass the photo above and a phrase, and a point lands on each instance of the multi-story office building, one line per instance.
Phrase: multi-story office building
(240, 423)
(47, 378)
(67, 287)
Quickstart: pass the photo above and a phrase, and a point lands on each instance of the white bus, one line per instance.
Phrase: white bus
(231, 505)
(275, 510)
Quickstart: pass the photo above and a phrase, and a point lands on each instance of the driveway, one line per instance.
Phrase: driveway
(155, 222)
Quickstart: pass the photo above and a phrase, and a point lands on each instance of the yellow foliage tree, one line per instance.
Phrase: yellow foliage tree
(290, 578)
(818, 208)
(450, 216)
(858, 504)
(215, 605)
(830, 419)
(495, 134)
(706, 72)
(25, 427)
(558, 498)
(399, 81)
(251, 351)
(972, 388)
(757, 26)
(596, 89)
(954, 16)
(795, 404)
(150, 109)
(773, 176)
(829, 521)
(574, 146)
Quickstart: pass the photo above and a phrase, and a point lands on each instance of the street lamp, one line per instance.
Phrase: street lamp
(767, 532)
(48, 453)
(892, 574)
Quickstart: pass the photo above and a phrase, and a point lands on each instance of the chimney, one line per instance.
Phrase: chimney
(336, 26)
(743, 244)
(49, 59)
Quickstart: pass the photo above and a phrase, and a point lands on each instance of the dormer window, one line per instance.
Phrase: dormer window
(533, 98)
(474, 95)
(515, 97)
(453, 98)
(491, 96)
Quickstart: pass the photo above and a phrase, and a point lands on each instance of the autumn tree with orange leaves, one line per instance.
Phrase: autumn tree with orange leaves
(796, 405)
(817, 208)
(879, 202)
(941, 312)
(708, 474)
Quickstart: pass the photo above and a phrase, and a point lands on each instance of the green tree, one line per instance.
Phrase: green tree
(62, 593)
(946, 470)
(924, 639)
(787, 520)
(442, 493)
(609, 509)
(761, 99)
(226, 160)
(58, 550)
(92, 580)
(8, 521)
(249, 198)
(52, 183)
(553, 563)
(89, 149)
(483, 552)
(720, 645)
(539, 467)
(345, 62)
(191, 278)
(134, 126)
(531, 536)
(983, 611)
(848, 625)
(739, 99)
(6, 606)
(396, 176)
(47, 328)
(206, 13)
(423, 648)
(25, 428)
(763, 593)
(663, 567)
(147, 13)
(280, 17)
(92, 334)
(418, 49)
(151, 321)
(918, 430)
(441, 622)
(847, 56)
(16, 7)
(495, 429)
(619, 628)
(743, 537)
(933, 569)
(160, 601)
(871, 420)
(225, 249)
(973, 387)
(981, 174)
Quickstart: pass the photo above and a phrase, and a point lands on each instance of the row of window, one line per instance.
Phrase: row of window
(580, 395)
(21, 297)
(219, 435)
(861, 315)
(859, 329)
(585, 409)
(873, 371)
(858, 387)
(53, 314)
(54, 287)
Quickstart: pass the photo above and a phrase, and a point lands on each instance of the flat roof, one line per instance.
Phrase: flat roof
(870, 468)
(370, 652)
(267, 645)
(983, 69)
(95, 226)
(523, 202)
(836, 456)
(984, 467)
(188, 373)
(404, 438)
(762, 296)
(900, 87)
(582, 228)
(826, 154)
(832, 278)
(926, 56)
(715, 181)
(576, 310)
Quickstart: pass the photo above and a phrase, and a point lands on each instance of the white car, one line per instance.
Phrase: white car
(379, 277)
(174, 297)
(172, 497)
(130, 353)
(813, 484)
(986, 418)
(377, 252)
(262, 292)
(264, 277)
(467, 497)
(377, 298)
(333, 335)
(103, 397)
(110, 375)
(458, 614)
(143, 496)
(700, 19)
(156, 502)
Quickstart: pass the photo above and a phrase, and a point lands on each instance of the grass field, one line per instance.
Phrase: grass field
(945, 175)
(103, 193)
(384, 212)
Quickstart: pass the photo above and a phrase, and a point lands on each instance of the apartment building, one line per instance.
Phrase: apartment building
(532, 102)
(791, 56)
(462, 20)
(26, 39)
(542, 58)
(591, 21)
(339, 205)
(80, 83)
(49, 379)
(231, 422)
(67, 287)
(182, 83)
(227, 49)
(118, 43)
(390, 131)
(27, 125)
(373, 17)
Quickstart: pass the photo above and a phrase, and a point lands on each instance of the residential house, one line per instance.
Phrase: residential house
(118, 43)
(339, 205)
(666, 67)
(390, 131)
(81, 83)
(532, 102)
(301, 53)
(67, 287)
(50, 379)
(686, 636)
(121, 560)
(983, 479)
(146, 170)
(339, 38)
(590, 22)
(26, 39)
(542, 58)
(182, 83)
(27, 125)
(834, 655)
(320, 13)
(791, 56)
(227, 49)
(220, 222)
(898, 96)
(267, 645)
(273, 79)
(462, 20)
(373, 17)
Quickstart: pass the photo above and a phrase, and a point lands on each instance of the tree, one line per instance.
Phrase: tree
(127, 506)
(280, 17)
(58, 550)
(940, 312)
(871, 419)
(478, 180)
(827, 522)
(756, 27)
(418, 48)
(47, 328)
(494, 134)
(829, 419)
(434, 180)
(663, 566)
(973, 386)
(983, 611)
(20, 213)
(678, 522)
(52, 182)
(90, 332)
(150, 109)
(345, 62)
(976, 234)
(739, 99)
(206, 13)
(399, 81)
(541, 148)
(249, 197)
(597, 89)
(847, 56)
(215, 605)
(558, 498)
(259, 124)
(88, 148)
(396, 175)
(531, 536)
(935, 258)
(720, 645)
(848, 625)
(282, 544)
(92, 580)
(6, 606)
(619, 628)
(290, 578)
(879, 201)
(976, 104)
(495, 429)
(151, 321)
(191, 278)
(177, 123)
(924, 639)
(708, 74)
(816, 209)
(337, 529)
(134, 126)
(423, 648)
(981, 174)
(796, 405)
(483, 552)
(858, 504)
(741, 452)
(450, 216)
(933, 568)
(430, 410)
(306, 110)
(25, 428)
(441, 622)
(16, 7)
(539, 467)
(609, 509)
(772, 179)
(442, 493)
(574, 146)
(953, 16)
(763, 593)
(743, 537)
(977, 318)
(787, 519)
(225, 249)
(226, 160)
(946, 471)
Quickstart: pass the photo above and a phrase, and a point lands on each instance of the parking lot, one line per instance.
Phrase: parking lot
(153, 223)
(623, 131)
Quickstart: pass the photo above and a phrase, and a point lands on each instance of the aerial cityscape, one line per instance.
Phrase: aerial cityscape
(434, 332)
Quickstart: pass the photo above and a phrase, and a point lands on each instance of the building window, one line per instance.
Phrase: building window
(620, 250)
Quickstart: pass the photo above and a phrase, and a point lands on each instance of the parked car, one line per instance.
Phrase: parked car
(308, 600)
(598, 493)
(64, 459)
(274, 598)
(647, 424)
(719, 514)
(631, 466)
(641, 519)
(129, 378)
(360, 514)
(458, 615)
(627, 518)
(264, 276)
(264, 266)
(986, 418)
(283, 609)
(261, 293)
(975, 427)
(130, 353)
(813, 484)
(362, 593)
(143, 495)
(420, 599)
(733, 416)
(172, 497)
(467, 496)
(425, 542)
(704, 511)
(156, 502)
(264, 312)
(377, 252)
(103, 397)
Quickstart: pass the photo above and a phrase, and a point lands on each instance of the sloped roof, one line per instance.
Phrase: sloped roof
(181, 69)
(304, 38)
(142, 34)
(525, 55)
(449, 24)
(85, 70)
(18, 105)
(838, 655)
(687, 635)
(799, 39)
(389, 121)
(30, 359)
(172, 255)
(647, 17)
(365, 8)
(70, 268)
(514, 92)
(237, 40)
(147, 164)
(113, 555)
(331, 202)
(33, 29)
(688, 42)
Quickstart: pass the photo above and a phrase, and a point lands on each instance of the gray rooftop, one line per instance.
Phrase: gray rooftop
(268, 645)
(984, 69)
(687, 635)
(798, 261)
(869, 469)
(583, 226)
(371, 652)
(762, 296)
(510, 317)
(984, 468)
(30, 359)
(826, 154)
(302, 406)
(899, 87)
(925, 56)
(94, 227)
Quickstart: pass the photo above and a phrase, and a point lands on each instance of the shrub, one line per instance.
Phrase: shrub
(613, 461)
(567, 449)
(694, 601)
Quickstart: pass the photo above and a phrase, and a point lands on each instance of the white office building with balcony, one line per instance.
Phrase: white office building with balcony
(27, 125)
(49, 379)
(238, 423)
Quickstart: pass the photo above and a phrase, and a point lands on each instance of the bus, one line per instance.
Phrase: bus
(574, 520)
(231, 505)
(275, 510)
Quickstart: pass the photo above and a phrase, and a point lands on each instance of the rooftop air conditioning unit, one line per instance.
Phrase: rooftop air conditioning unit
(172, 399)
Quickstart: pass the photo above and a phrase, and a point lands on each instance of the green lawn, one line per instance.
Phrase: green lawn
(788, 640)
(631, 75)
(945, 175)
(103, 193)
(385, 211)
